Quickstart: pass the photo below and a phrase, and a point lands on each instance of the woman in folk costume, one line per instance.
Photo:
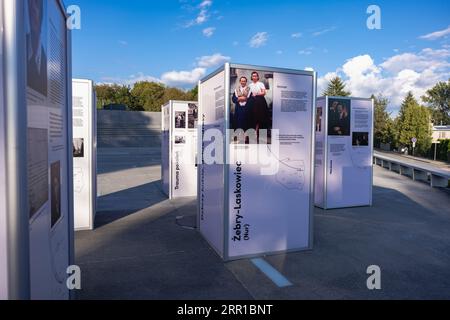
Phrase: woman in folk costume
(241, 99)
(260, 108)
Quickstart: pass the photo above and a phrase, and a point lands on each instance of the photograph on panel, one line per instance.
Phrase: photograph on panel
(180, 120)
(339, 113)
(251, 106)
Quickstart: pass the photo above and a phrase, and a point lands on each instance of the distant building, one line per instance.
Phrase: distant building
(440, 133)
(115, 107)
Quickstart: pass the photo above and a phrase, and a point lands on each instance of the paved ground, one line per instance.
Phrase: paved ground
(145, 246)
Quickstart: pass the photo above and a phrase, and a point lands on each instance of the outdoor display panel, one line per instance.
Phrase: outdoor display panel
(36, 126)
(84, 150)
(256, 168)
(50, 171)
(179, 148)
(3, 187)
(344, 152)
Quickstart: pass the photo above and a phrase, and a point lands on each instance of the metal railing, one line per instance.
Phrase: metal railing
(436, 177)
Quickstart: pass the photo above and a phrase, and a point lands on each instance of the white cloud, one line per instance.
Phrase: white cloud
(395, 77)
(360, 66)
(140, 76)
(209, 32)
(322, 82)
(297, 35)
(191, 77)
(306, 51)
(205, 4)
(309, 69)
(182, 78)
(427, 58)
(259, 40)
(131, 80)
(437, 34)
(279, 52)
(322, 32)
(203, 15)
(212, 61)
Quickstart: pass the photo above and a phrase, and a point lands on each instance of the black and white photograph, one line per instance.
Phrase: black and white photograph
(180, 140)
(339, 117)
(36, 38)
(252, 105)
(55, 173)
(180, 120)
(192, 116)
(360, 139)
(78, 147)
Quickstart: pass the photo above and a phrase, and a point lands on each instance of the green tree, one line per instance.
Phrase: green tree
(149, 95)
(193, 94)
(143, 96)
(384, 129)
(175, 94)
(414, 122)
(438, 100)
(336, 88)
(105, 94)
(123, 96)
(115, 94)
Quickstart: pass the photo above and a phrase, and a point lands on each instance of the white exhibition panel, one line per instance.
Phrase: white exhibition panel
(165, 148)
(319, 180)
(349, 154)
(179, 148)
(211, 177)
(3, 230)
(183, 151)
(267, 213)
(49, 127)
(84, 153)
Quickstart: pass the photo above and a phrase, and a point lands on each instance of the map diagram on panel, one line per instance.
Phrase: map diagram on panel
(78, 180)
(291, 174)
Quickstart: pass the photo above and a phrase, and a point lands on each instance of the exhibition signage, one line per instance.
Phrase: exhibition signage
(50, 171)
(179, 148)
(256, 160)
(36, 157)
(4, 292)
(344, 152)
(84, 150)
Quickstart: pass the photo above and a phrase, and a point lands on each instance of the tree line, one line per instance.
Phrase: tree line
(414, 120)
(142, 96)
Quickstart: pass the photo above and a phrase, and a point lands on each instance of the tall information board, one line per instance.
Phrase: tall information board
(256, 169)
(84, 148)
(179, 148)
(344, 152)
(36, 127)
(4, 294)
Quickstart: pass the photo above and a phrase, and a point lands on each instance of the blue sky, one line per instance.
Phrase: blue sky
(179, 41)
